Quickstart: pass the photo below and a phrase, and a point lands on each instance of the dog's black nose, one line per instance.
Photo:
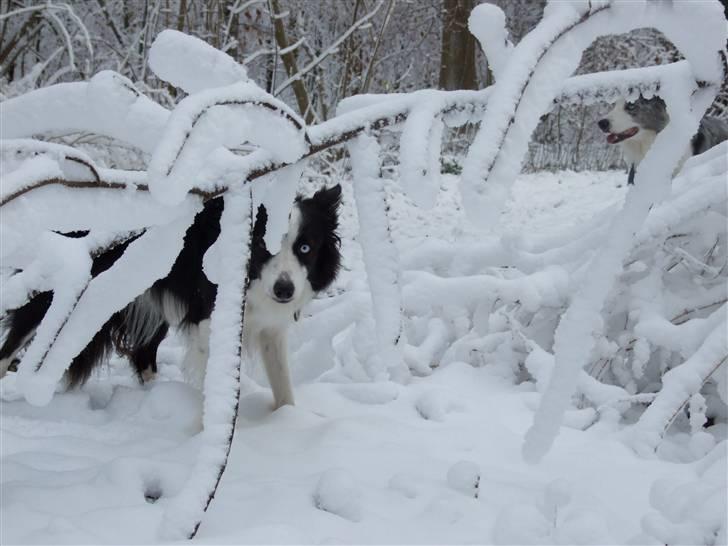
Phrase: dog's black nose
(604, 125)
(283, 289)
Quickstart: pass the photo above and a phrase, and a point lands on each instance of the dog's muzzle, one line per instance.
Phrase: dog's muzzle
(283, 289)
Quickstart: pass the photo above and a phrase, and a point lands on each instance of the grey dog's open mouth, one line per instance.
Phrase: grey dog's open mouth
(613, 138)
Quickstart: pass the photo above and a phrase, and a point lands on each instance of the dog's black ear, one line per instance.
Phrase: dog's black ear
(328, 197)
(261, 221)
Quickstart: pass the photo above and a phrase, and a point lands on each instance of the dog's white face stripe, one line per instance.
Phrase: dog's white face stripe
(285, 264)
(269, 310)
(619, 119)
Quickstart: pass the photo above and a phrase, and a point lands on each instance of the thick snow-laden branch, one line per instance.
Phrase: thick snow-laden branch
(64, 333)
(487, 23)
(540, 364)
(143, 122)
(109, 104)
(380, 255)
(49, 172)
(222, 379)
(683, 338)
(192, 64)
(68, 275)
(25, 162)
(422, 290)
(222, 117)
(612, 85)
(38, 272)
(420, 172)
(678, 385)
(421, 358)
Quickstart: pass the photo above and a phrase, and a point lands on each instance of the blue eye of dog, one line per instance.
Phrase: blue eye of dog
(304, 248)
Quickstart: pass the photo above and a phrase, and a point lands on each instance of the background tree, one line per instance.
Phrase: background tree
(457, 58)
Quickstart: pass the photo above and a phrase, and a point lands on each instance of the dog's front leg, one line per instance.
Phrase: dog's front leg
(274, 351)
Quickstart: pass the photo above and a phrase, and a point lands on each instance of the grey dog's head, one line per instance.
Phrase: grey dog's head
(648, 113)
(629, 118)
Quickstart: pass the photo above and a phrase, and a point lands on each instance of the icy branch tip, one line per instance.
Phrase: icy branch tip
(487, 23)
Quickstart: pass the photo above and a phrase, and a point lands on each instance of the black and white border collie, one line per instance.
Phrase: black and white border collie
(634, 126)
(280, 285)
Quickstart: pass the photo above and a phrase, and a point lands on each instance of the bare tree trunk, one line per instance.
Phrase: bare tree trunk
(289, 62)
(182, 15)
(457, 59)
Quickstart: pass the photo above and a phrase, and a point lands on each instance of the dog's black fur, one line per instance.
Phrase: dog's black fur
(186, 284)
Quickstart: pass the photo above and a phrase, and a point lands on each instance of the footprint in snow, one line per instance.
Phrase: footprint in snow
(464, 476)
(152, 493)
(434, 406)
(370, 393)
(337, 493)
(407, 484)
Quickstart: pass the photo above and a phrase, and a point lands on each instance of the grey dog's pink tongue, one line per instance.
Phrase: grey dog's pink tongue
(613, 138)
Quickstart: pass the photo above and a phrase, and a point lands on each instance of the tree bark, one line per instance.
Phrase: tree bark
(457, 58)
(289, 62)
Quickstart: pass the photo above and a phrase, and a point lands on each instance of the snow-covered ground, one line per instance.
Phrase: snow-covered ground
(437, 460)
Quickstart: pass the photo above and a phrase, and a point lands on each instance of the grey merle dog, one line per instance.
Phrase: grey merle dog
(634, 126)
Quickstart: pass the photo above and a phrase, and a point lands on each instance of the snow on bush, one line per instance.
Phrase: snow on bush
(625, 311)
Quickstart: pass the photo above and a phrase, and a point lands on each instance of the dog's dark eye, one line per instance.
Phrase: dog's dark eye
(630, 106)
(304, 248)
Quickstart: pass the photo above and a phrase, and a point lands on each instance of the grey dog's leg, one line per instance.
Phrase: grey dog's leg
(274, 350)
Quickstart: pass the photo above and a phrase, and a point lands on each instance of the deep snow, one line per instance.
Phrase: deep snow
(435, 461)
